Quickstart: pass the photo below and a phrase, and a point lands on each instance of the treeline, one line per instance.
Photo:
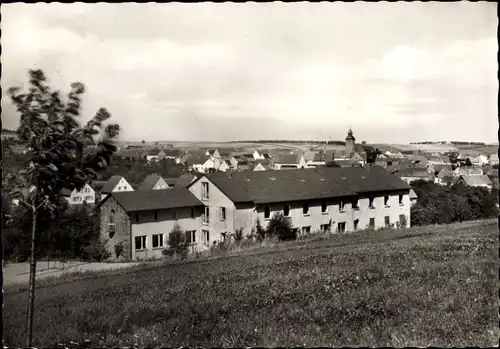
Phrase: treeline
(73, 234)
(451, 142)
(437, 204)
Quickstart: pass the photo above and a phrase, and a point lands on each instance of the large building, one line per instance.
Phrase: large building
(216, 205)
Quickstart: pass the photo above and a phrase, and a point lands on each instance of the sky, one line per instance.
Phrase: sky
(393, 72)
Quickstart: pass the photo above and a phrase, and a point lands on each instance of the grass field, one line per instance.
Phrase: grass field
(430, 286)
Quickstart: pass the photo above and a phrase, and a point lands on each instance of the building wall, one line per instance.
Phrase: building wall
(316, 218)
(122, 228)
(85, 194)
(148, 226)
(216, 200)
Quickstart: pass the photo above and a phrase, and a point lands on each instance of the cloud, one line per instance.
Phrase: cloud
(200, 70)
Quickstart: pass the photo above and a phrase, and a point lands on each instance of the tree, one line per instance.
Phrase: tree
(468, 163)
(143, 141)
(61, 154)
(177, 241)
(280, 226)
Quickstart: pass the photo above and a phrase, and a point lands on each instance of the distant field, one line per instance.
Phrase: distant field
(429, 286)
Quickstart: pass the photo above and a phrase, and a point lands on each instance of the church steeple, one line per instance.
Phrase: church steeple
(350, 143)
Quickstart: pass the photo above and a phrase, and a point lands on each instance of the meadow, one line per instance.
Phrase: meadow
(426, 286)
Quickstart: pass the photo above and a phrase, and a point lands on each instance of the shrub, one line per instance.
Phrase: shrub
(260, 232)
(177, 241)
(238, 235)
(280, 226)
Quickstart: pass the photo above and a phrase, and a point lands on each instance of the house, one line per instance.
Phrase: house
(213, 153)
(200, 163)
(479, 160)
(77, 197)
(493, 159)
(347, 163)
(142, 220)
(343, 199)
(359, 158)
(443, 176)
(265, 155)
(411, 174)
(309, 156)
(240, 162)
(257, 155)
(468, 171)
(476, 181)
(115, 184)
(153, 182)
(260, 165)
(173, 154)
(222, 165)
(289, 161)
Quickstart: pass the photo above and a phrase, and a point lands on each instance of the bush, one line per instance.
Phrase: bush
(260, 232)
(177, 241)
(119, 249)
(281, 227)
(238, 235)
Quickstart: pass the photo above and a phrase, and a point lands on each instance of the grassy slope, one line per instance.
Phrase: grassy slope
(427, 286)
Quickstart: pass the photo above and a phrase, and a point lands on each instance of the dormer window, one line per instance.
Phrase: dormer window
(386, 200)
(286, 210)
(305, 209)
(371, 203)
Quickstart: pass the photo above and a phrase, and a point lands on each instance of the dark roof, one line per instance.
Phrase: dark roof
(110, 184)
(171, 181)
(413, 172)
(149, 182)
(97, 185)
(196, 159)
(304, 184)
(184, 180)
(133, 201)
(287, 159)
(172, 152)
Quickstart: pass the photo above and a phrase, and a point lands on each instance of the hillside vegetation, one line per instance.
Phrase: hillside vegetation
(426, 286)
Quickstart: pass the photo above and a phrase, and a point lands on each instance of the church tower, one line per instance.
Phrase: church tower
(350, 144)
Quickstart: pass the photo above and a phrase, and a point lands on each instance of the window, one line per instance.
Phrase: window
(137, 217)
(89, 198)
(286, 210)
(386, 200)
(206, 236)
(341, 227)
(305, 209)
(193, 212)
(267, 212)
(206, 215)
(372, 223)
(355, 205)
(401, 199)
(140, 243)
(77, 199)
(156, 215)
(324, 207)
(111, 223)
(157, 240)
(205, 195)
(223, 214)
(387, 221)
(324, 227)
(191, 236)
(371, 203)
(306, 230)
(356, 222)
(341, 206)
(223, 236)
(119, 188)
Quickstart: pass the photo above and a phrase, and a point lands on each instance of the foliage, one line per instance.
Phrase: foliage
(73, 234)
(281, 227)
(260, 232)
(439, 204)
(119, 249)
(177, 240)
(409, 293)
(238, 235)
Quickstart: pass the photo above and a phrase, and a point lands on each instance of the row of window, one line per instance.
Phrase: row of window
(158, 240)
(79, 198)
(341, 225)
(324, 206)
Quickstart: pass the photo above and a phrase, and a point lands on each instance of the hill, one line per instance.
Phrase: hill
(428, 286)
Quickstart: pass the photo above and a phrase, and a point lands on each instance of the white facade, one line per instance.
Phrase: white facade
(78, 197)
